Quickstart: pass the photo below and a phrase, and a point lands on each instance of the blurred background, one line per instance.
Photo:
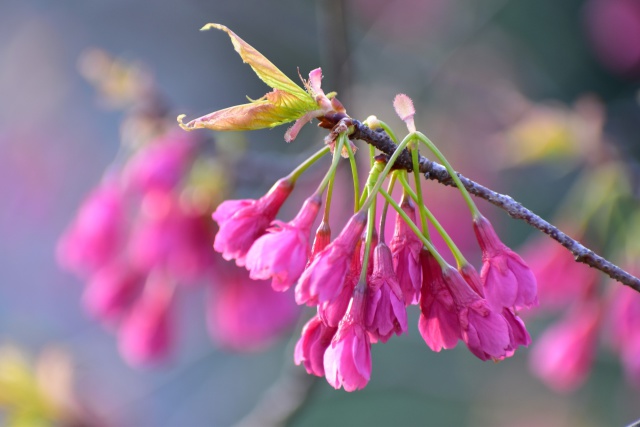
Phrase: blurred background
(535, 99)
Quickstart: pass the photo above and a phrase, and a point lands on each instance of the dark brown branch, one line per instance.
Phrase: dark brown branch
(437, 172)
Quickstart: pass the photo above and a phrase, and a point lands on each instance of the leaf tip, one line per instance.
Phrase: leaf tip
(180, 119)
(210, 26)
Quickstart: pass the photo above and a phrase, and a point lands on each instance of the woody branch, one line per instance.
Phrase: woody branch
(435, 171)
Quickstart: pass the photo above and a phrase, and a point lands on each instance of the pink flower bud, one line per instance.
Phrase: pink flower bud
(563, 355)
(405, 247)
(243, 221)
(310, 348)
(283, 252)
(325, 277)
(438, 324)
(347, 361)
(385, 312)
(508, 281)
(146, 334)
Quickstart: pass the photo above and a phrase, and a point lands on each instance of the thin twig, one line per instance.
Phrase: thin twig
(435, 171)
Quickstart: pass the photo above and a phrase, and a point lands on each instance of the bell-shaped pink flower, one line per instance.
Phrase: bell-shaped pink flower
(508, 281)
(316, 338)
(146, 334)
(563, 355)
(283, 252)
(325, 277)
(439, 324)
(95, 235)
(331, 312)
(245, 314)
(560, 278)
(405, 247)
(243, 221)
(347, 360)
(485, 332)
(111, 291)
(162, 163)
(385, 311)
(518, 334)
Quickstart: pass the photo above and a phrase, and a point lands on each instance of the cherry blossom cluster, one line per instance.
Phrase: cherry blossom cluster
(361, 286)
(143, 237)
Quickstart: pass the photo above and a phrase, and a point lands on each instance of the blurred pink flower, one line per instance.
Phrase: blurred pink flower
(245, 314)
(284, 251)
(347, 360)
(243, 221)
(111, 291)
(385, 311)
(563, 354)
(614, 29)
(146, 334)
(325, 276)
(96, 233)
(310, 348)
(439, 324)
(560, 278)
(508, 281)
(406, 246)
(624, 330)
(162, 163)
(168, 236)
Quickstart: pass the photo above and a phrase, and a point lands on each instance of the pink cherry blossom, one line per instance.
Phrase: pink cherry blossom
(111, 291)
(405, 247)
(325, 277)
(347, 361)
(162, 163)
(508, 281)
(170, 237)
(245, 314)
(243, 221)
(283, 252)
(385, 311)
(146, 334)
(624, 330)
(485, 332)
(96, 233)
(563, 355)
(439, 324)
(316, 338)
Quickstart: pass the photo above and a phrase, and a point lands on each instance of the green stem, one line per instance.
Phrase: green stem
(354, 174)
(460, 259)
(385, 208)
(465, 194)
(332, 170)
(417, 181)
(388, 130)
(327, 204)
(371, 218)
(295, 174)
(414, 227)
(372, 194)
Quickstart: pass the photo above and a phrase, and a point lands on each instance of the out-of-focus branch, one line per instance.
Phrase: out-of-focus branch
(435, 171)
